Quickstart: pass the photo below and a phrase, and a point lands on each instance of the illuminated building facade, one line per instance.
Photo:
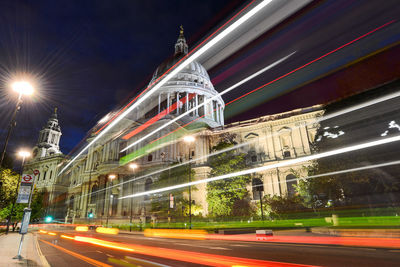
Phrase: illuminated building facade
(96, 180)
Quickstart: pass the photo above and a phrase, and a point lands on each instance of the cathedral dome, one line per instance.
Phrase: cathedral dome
(189, 88)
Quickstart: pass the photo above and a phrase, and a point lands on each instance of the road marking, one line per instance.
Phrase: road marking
(145, 262)
(99, 251)
(199, 246)
(108, 255)
(240, 245)
(79, 256)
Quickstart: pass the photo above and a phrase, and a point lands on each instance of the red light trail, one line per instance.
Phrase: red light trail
(287, 74)
(177, 63)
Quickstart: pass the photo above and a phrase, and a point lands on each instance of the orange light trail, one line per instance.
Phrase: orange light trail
(110, 231)
(51, 233)
(188, 256)
(81, 228)
(67, 237)
(103, 243)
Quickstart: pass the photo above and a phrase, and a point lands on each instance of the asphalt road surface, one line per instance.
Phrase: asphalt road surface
(64, 252)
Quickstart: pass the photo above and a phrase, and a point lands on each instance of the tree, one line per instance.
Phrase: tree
(8, 196)
(282, 206)
(10, 180)
(160, 203)
(223, 194)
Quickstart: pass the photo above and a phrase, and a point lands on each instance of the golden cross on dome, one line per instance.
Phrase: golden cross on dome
(181, 31)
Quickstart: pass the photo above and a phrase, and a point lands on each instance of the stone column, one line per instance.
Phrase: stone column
(197, 104)
(168, 101)
(270, 142)
(159, 103)
(212, 110)
(187, 101)
(177, 103)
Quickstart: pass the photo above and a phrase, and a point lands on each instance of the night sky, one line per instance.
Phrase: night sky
(89, 56)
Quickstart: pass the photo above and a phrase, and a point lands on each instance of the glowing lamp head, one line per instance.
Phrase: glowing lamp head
(22, 87)
(48, 219)
(188, 139)
(24, 154)
(133, 166)
(112, 176)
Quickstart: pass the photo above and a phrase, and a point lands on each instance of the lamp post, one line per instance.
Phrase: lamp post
(89, 189)
(22, 88)
(23, 155)
(110, 177)
(133, 166)
(188, 140)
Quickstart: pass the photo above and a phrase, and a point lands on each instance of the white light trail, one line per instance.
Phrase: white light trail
(327, 117)
(273, 166)
(208, 101)
(174, 72)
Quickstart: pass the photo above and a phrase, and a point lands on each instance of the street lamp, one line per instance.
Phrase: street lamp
(189, 139)
(22, 154)
(110, 178)
(22, 88)
(133, 167)
(89, 194)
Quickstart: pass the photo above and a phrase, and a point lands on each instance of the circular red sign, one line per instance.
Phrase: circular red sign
(27, 178)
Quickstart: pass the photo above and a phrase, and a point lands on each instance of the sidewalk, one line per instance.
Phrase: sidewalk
(30, 253)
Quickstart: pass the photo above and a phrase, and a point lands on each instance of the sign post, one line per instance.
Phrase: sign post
(25, 196)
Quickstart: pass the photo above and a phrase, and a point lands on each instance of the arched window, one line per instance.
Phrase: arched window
(93, 194)
(71, 202)
(150, 157)
(51, 174)
(291, 180)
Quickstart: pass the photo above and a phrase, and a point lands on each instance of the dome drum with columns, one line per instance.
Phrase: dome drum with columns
(189, 88)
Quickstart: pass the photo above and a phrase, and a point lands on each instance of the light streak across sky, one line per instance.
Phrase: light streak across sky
(294, 70)
(220, 36)
(323, 118)
(208, 101)
(273, 166)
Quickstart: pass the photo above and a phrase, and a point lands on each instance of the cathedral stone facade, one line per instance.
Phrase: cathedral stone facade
(95, 182)
(46, 156)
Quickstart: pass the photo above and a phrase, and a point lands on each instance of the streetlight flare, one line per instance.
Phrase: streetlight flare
(24, 154)
(23, 87)
(112, 176)
(133, 166)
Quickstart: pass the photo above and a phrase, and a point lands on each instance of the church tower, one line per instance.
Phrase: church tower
(49, 138)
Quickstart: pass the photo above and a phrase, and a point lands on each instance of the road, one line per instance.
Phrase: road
(64, 252)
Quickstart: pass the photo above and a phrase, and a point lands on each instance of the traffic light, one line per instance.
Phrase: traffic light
(48, 219)
(90, 215)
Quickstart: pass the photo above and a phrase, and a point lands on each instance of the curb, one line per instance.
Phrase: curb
(43, 259)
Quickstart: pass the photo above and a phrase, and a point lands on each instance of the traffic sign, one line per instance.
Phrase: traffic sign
(23, 194)
(36, 172)
(27, 178)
